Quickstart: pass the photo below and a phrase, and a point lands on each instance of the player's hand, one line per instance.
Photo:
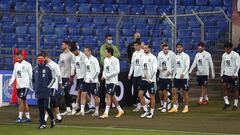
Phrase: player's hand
(129, 77)
(234, 77)
(182, 76)
(168, 73)
(102, 78)
(61, 86)
(149, 81)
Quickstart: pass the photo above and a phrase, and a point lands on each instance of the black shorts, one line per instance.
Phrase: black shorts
(137, 82)
(91, 88)
(80, 84)
(53, 98)
(111, 89)
(164, 84)
(229, 80)
(22, 93)
(202, 80)
(181, 84)
(145, 86)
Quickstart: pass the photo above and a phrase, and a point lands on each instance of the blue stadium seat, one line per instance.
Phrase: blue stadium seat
(143, 32)
(6, 18)
(61, 31)
(58, 8)
(127, 32)
(188, 2)
(21, 19)
(8, 29)
(84, 9)
(112, 31)
(194, 24)
(184, 33)
(71, 9)
(215, 2)
(5, 5)
(122, 1)
(87, 31)
(109, 8)
(97, 8)
(44, 7)
(171, 2)
(137, 9)
(73, 30)
(227, 3)
(20, 6)
(108, 1)
(99, 20)
(71, 20)
(60, 20)
(134, 2)
(21, 30)
(125, 9)
(95, 1)
(146, 2)
(201, 2)
(150, 10)
(85, 19)
(101, 32)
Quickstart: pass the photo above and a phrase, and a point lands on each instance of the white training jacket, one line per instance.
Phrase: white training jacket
(166, 63)
(230, 64)
(80, 65)
(22, 72)
(149, 67)
(57, 74)
(92, 69)
(67, 64)
(203, 61)
(111, 70)
(182, 65)
(135, 68)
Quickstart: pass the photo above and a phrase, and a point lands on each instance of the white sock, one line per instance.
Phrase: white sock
(226, 100)
(165, 105)
(20, 114)
(186, 106)
(235, 102)
(201, 99)
(152, 111)
(59, 117)
(27, 115)
(82, 108)
(96, 109)
(90, 105)
(68, 109)
(168, 100)
(161, 102)
(206, 97)
(175, 106)
(46, 117)
(107, 109)
(119, 108)
(145, 108)
(139, 105)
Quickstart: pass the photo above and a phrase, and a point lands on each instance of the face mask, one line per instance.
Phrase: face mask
(40, 61)
(109, 42)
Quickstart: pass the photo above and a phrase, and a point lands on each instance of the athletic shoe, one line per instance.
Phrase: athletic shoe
(137, 109)
(53, 123)
(169, 106)
(199, 102)
(205, 102)
(185, 110)
(226, 106)
(145, 114)
(42, 126)
(66, 113)
(90, 110)
(160, 108)
(234, 108)
(104, 116)
(173, 110)
(18, 120)
(164, 110)
(81, 113)
(26, 120)
(73, 112)
(149, 116)
(58, 121)
(119, 114)
(95, 114)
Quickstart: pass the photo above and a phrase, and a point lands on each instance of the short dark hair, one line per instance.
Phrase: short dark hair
(228, 45)
(88, 47)
(108, 35)
(164, 45)
(45, 54)
(40, 54)
(149, 46)
(66, 42)
(138, 42)
(110, 50)
(179, 44)
(201, 44)
(19, 52)
(73, 46)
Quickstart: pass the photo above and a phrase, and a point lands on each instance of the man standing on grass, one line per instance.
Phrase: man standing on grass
(229, 75)
(148, 65)
(203, 61)
(91, 82)
(111, 70)
(22, 72)
(42, 80)
(181, 77)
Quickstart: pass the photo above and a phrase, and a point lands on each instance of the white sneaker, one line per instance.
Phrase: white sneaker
(163, 110)
(144, 115)
(80, 113)
(137, 109)
(169, 106)
(90, 110)
(74, 111)
(66, 113)
(149, 116)
(95, 114)
(160, 108)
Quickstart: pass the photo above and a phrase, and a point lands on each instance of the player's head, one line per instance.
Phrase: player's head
(109, 39)
(163, 43)
(228, 47)
(109, 51)
(74, 47)
(40, 59)
(65, 45)
(136, 36)
(165, 48)
(19, 56)
(88, 51)
(147, 48)
(137, 45)
(45, 55)
(179, 47)
(201, 46)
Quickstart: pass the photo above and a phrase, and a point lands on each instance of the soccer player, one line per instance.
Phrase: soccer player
(42, 80)
(22, 72)
(203, 61)
(58, 82)
(229, 74)
(67, 67)
(135, 69)
(148, 65)
(111, 70)
(91, 82)
(166, 63)
(181, 77)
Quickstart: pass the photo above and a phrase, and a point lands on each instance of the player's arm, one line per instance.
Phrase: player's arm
(72, 64)
(159, 66)
(102, 53)
(131, 68)
(193, 64)
(104, 71)
(187, 65)
(154, 67)
(211, 66)
(222, 65)
(237, 65)
(97, 69)
(13, 76)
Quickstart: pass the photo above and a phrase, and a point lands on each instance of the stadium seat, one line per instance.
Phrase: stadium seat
(147, 2)
(61, 31)
(71, 20)
(188, 2)
(8, 29)
(215, 2)
(150, 10)
(107, 1)
(137, 9)
(161, 2)
(109, 8)
(99, 20)
(122, 1)
(127, 32)
(58, 8)
(5, 6)
(227, 3)
(201, 2)
(20, 7)
(125, 9)
(97, 8)
(71, 9)
(134, 2)
(21, 30)
(87, 31)
(84, 9)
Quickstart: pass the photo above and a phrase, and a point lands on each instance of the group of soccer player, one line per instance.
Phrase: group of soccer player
(165, 74)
